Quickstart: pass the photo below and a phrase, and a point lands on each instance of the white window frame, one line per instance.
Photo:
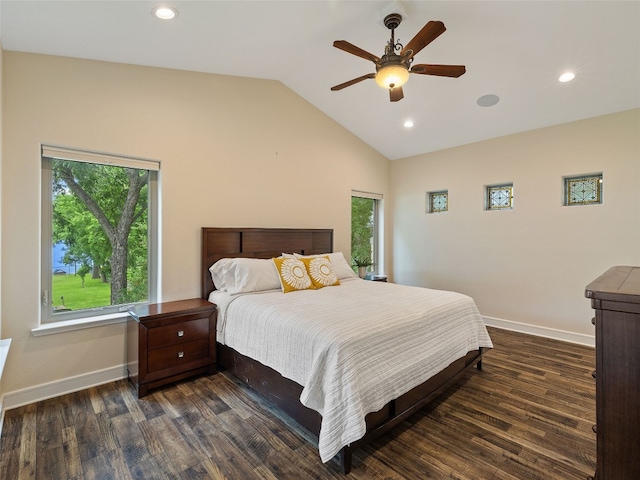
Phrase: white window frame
(50, 323)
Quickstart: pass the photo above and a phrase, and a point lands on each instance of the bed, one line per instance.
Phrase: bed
(340, 372)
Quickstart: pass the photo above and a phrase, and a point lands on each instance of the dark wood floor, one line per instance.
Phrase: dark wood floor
(526, 415)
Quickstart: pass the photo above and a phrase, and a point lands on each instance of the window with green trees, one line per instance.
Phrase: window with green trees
(99, 233)
(364, 228)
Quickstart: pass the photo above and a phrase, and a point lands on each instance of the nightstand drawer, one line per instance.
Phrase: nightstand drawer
(176, 355)
(178, 333)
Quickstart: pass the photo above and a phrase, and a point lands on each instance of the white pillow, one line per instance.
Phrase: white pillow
(245, 275)
(339, 264)
(218, 271)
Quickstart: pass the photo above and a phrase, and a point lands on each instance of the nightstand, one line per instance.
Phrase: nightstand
(170, 341)
(377, 278)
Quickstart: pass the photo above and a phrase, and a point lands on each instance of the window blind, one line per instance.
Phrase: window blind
(65, 153)
(358, 193)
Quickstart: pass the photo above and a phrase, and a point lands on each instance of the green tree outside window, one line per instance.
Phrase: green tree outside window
(363, 228)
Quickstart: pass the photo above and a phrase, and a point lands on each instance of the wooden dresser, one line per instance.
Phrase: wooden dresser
(170, 341)
(615, 296)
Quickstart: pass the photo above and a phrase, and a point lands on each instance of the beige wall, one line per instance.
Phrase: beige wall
(234, 152)
(530, 264)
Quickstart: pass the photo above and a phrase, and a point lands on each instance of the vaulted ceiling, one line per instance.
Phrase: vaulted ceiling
(515, 50)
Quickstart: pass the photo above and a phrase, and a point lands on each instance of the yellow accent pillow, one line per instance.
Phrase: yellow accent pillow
(320, 271)
(293, 274)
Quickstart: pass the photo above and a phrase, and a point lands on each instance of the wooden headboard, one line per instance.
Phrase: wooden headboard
(220, 243)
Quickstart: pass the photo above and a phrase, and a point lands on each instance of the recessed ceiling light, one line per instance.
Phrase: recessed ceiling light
(165, 13)
(566, 77)
(488, 100)
(408, 124)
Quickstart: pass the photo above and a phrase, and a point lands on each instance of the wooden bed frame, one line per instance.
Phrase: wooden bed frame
(220, 243)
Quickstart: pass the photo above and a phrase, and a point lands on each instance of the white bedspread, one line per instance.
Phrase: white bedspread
(353, 347)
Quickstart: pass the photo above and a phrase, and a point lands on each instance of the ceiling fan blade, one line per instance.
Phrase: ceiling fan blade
(424, 37)
(396, 94)
(357, 51)
(353, 82)
(439, 70)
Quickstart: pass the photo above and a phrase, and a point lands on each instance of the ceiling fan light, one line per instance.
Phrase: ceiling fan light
(392, 75)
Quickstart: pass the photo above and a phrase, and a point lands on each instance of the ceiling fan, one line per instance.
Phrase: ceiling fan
(393, 69)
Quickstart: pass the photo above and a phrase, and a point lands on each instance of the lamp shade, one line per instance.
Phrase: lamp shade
(396, 75)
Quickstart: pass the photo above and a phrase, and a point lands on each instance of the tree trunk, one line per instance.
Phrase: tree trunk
(119, 271)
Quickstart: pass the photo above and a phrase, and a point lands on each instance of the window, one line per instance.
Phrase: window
(365, 227)
(499, 197)
(583, 190)
(437, 201)
(99, 233)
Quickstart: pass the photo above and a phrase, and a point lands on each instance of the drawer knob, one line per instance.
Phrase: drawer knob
(595, 429)
(181, 333)
(593, 320)
(593, 374)
(180, 354)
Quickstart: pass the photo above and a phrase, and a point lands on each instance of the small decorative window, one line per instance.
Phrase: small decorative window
(584, 190)
(500, 197)
(437, 201)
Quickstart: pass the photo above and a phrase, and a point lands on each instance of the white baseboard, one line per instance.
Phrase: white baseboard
(56, 388)
(588, 340)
